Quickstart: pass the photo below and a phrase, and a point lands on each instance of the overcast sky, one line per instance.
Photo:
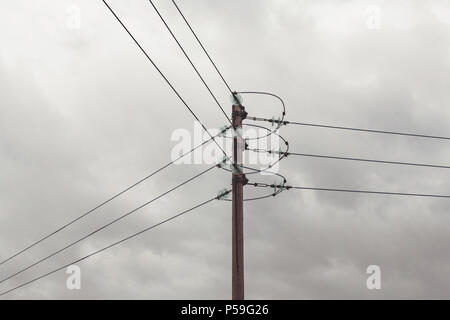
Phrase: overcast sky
(83, 114)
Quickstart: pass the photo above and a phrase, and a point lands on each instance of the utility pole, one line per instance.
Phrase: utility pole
(238, 182)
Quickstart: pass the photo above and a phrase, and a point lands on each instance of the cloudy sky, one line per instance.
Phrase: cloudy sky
(83, 114)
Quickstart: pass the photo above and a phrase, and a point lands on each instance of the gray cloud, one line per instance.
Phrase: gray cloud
(83, 114)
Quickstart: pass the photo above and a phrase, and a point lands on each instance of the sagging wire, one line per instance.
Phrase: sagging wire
(277, 188)
(283, 154)
(279, 121)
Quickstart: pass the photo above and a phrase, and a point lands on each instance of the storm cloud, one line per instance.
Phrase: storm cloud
(83, 114)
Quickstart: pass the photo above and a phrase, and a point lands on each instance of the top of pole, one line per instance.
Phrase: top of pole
(236, 98)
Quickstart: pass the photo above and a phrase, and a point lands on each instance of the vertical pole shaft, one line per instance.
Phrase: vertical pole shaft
(238, 210)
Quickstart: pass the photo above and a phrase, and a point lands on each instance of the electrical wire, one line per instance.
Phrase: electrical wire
(279, 122)
(106, 201)
(140, 181)
(283, 113)
(106, 225)
(267, 169)
(163, 76)
(276, 191)
(373, 192)
(204, 50)
(351, 128)
(190, 61)
(112, 245)
(287, 187)
(286, 154)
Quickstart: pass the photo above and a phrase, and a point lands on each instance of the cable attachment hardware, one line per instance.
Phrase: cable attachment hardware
(281, 186)
(280, 153)
(242, 113)
(223, 130)
(241, 178)
(224, 162)
(236, 98)
(236, 168)
(274, 188)
(277, 188)
(273, 121)
(223, 194)
(258, 150)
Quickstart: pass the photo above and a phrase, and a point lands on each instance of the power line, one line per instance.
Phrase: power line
(190, 61)
(287, 187)
(187, 106)
(283, 113)
(351, 159)
(350, 128)
(114, 244)
(106, 225)
(106, 201)
(137, 183)
(375, 192)
(164, 77)
(204, 50)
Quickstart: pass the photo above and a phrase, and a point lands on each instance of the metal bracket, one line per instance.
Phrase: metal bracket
(236, 169)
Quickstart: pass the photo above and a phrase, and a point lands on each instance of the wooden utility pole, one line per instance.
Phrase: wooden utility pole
(238, 179)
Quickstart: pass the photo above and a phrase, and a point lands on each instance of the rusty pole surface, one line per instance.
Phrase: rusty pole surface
(238, 209)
